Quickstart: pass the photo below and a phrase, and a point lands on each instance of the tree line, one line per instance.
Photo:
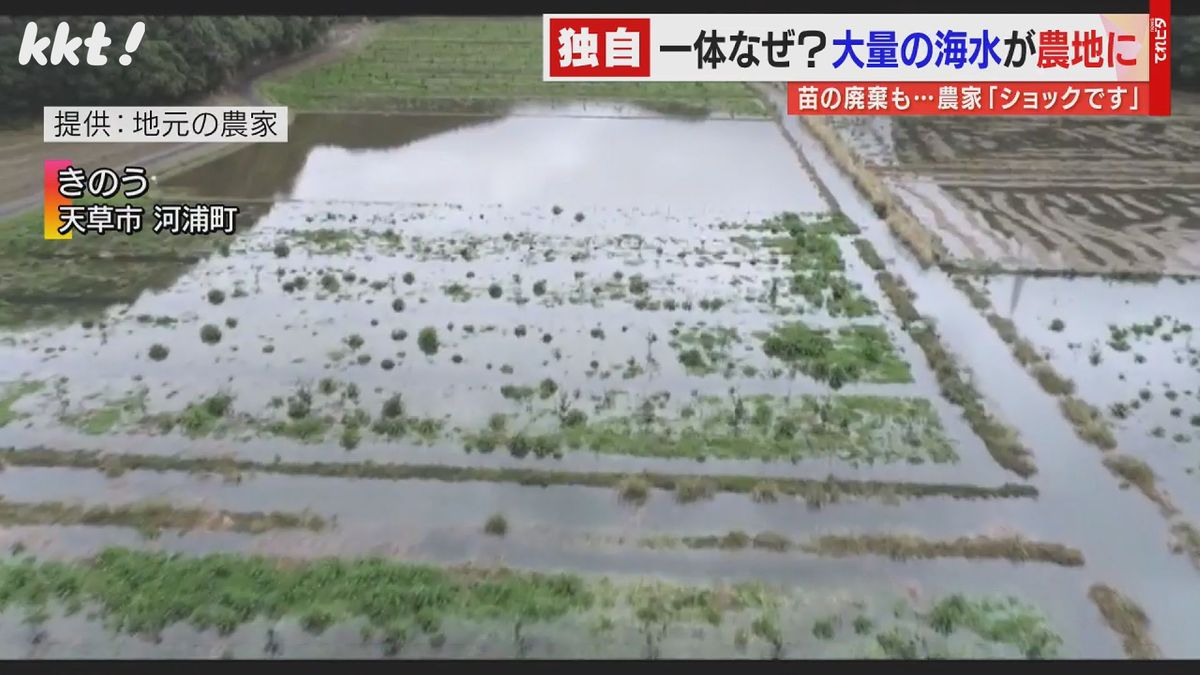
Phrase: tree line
(179, 59)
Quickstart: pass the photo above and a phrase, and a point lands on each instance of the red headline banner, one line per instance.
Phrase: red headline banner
(1160, 57)
(968, 98)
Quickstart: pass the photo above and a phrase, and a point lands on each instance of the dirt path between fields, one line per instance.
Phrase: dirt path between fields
(22, 151)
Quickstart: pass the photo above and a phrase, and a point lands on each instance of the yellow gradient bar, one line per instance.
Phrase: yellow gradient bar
(51, 200)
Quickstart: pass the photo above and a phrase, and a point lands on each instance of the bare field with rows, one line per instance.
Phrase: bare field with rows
(1047, 195)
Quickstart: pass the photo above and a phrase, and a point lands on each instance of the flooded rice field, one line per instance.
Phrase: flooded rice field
(564, 384)
(1129, 348)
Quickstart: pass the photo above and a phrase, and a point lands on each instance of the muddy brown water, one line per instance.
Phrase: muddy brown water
(447, 180)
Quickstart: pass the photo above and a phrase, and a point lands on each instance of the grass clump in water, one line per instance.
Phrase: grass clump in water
(823, 629)
(1187, 540)
(863, 625)
(693, 360)
(910, 547)
(765, 492)
(854, 353)
(1003, 620)
(457, 292)
(516, 393)
(216, 296)
(393, 408)
(219, 404)
(705, 350)
(9, 396)
(327, 386)
(766, 628)
(102, 420)
(299, 405)
(869, 255)
(150, 518)
(633, 490)
(694, 490)
(1052, 383)
(210, 334)
(771, 541)
(496, 525)
(1089, 422)
(1139, 474)
(427, 340)
(1127, 620)
(574, 418)
(393, 422)
(306, 430)
(351, 436)
(158, 352)
(201, 418)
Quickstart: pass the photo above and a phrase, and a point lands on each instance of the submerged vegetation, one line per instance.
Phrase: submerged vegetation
(894, 546)
(10, 394)
(703, 350)
(1187, 541)
(1001, 441)
(428, 341)
(923, 243)
(147, 592)
(815, 491)
(1127, 620)
(151, 517)
(210, 334)
(854, 353)
(869, 255)
(1089, 423)
(1138, 473)
(496, 525)
(857, 429)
